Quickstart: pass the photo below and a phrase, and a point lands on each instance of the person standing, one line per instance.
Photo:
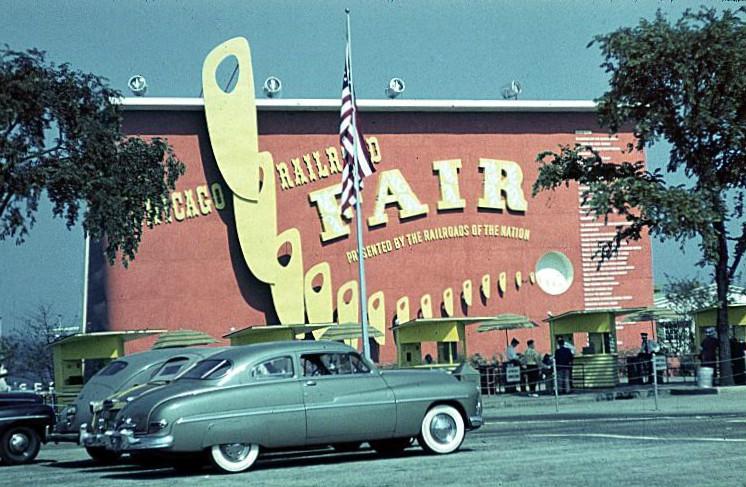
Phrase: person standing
(737, 356)
(511, 353)
(709, 354)
(563, 359)
(512, 359)
(532, 362)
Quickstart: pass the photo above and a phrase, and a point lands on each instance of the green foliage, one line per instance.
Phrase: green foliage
(60, 135)
(684, 83)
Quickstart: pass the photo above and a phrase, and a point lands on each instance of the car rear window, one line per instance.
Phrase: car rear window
(113, 368)
(170, 369)
(209, 369)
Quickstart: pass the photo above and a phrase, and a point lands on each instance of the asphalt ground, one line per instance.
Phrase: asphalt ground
(688, 441)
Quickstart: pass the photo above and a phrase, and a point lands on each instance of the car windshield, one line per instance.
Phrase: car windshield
(170, 369)
(113, 368)
(209, 369)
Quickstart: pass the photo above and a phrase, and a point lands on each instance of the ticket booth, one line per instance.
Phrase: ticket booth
(707, 318)
(276, 333)
(448, 333)
(595, 362)
(70, 353)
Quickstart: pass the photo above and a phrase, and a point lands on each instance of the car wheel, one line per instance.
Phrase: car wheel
(392, 446)
(442, 430)
(101, 455)
(347, 447)
(19, 445)
(234, 457)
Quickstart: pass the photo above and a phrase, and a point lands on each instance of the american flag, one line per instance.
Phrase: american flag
(352, 142)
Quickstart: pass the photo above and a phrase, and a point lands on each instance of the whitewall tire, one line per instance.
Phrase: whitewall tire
(442, 430)
(234, 457)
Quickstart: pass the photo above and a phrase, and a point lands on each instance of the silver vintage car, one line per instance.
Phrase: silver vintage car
(122, 377)
(295, 394)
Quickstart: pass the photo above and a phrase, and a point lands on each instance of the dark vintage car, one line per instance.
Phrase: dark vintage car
(119, 380)
(24, 422)
(295, 394)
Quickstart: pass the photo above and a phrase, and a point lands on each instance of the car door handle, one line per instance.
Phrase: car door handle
(310, 383)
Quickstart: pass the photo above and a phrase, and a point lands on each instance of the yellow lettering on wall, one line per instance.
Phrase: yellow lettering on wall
(402, 310)
(486, 286)
(300, 177)
(330, 213)
(394, 189)
(426, 306)
(320, 167)
(333, 156)
(191, 207)
(217, 195)
(466, 291)
(176, 204)
(374, 149)
(448, 301)
(532, 277)
(309, 167)
(203, 200)
(518, 279)
(502, 282)
(502, 177)
(285, 181)
(319, 303)
(377, 315)
(450, 195)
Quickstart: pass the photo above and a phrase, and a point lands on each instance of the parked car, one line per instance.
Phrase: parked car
(120, 376)
(24, 422)
(295, 394)
(103, 412)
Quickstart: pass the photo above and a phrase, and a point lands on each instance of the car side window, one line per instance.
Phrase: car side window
(316, 364)
(357, 364)
(276, 368)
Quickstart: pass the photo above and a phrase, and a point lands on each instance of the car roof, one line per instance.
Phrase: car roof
(144, 359)
(258, 350)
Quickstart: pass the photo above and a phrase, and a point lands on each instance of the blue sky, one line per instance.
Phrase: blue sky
(442, 49)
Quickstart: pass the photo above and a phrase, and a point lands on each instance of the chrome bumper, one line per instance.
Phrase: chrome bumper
(476, 421)
(126, 441)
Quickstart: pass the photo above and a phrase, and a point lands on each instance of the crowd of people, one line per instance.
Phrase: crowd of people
(536, 369)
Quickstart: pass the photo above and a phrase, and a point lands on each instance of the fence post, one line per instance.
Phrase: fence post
(556, 390)
(655, 382)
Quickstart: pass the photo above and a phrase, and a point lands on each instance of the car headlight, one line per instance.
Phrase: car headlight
(71, 411)
(156, 426)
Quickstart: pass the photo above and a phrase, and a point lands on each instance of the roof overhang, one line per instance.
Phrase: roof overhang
(378, 105)
(125, 336)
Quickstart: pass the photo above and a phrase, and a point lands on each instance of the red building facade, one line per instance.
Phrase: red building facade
(451, 227)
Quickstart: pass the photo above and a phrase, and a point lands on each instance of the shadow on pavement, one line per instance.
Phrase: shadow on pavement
(271, 461)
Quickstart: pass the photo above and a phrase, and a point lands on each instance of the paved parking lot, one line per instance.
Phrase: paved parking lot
(608, 443)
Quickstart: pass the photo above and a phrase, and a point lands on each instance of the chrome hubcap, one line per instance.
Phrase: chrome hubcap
(235, 452)
(443, 428)
(19, 443)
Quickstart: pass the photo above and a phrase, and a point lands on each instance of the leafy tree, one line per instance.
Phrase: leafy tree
(684, 83)
(60, 135)
(27, 351)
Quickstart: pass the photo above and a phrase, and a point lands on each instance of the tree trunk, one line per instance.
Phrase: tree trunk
(723, 283)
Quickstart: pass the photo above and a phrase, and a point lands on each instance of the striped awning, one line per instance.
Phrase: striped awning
(183, 338)
(349, 331)
(506, 321)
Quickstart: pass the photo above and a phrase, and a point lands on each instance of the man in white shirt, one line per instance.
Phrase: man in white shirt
(511, 353)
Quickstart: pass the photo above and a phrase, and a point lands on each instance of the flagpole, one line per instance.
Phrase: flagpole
(358, 219)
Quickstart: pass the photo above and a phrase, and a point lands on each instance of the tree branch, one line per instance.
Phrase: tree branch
(738, 253)
(5, 202)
